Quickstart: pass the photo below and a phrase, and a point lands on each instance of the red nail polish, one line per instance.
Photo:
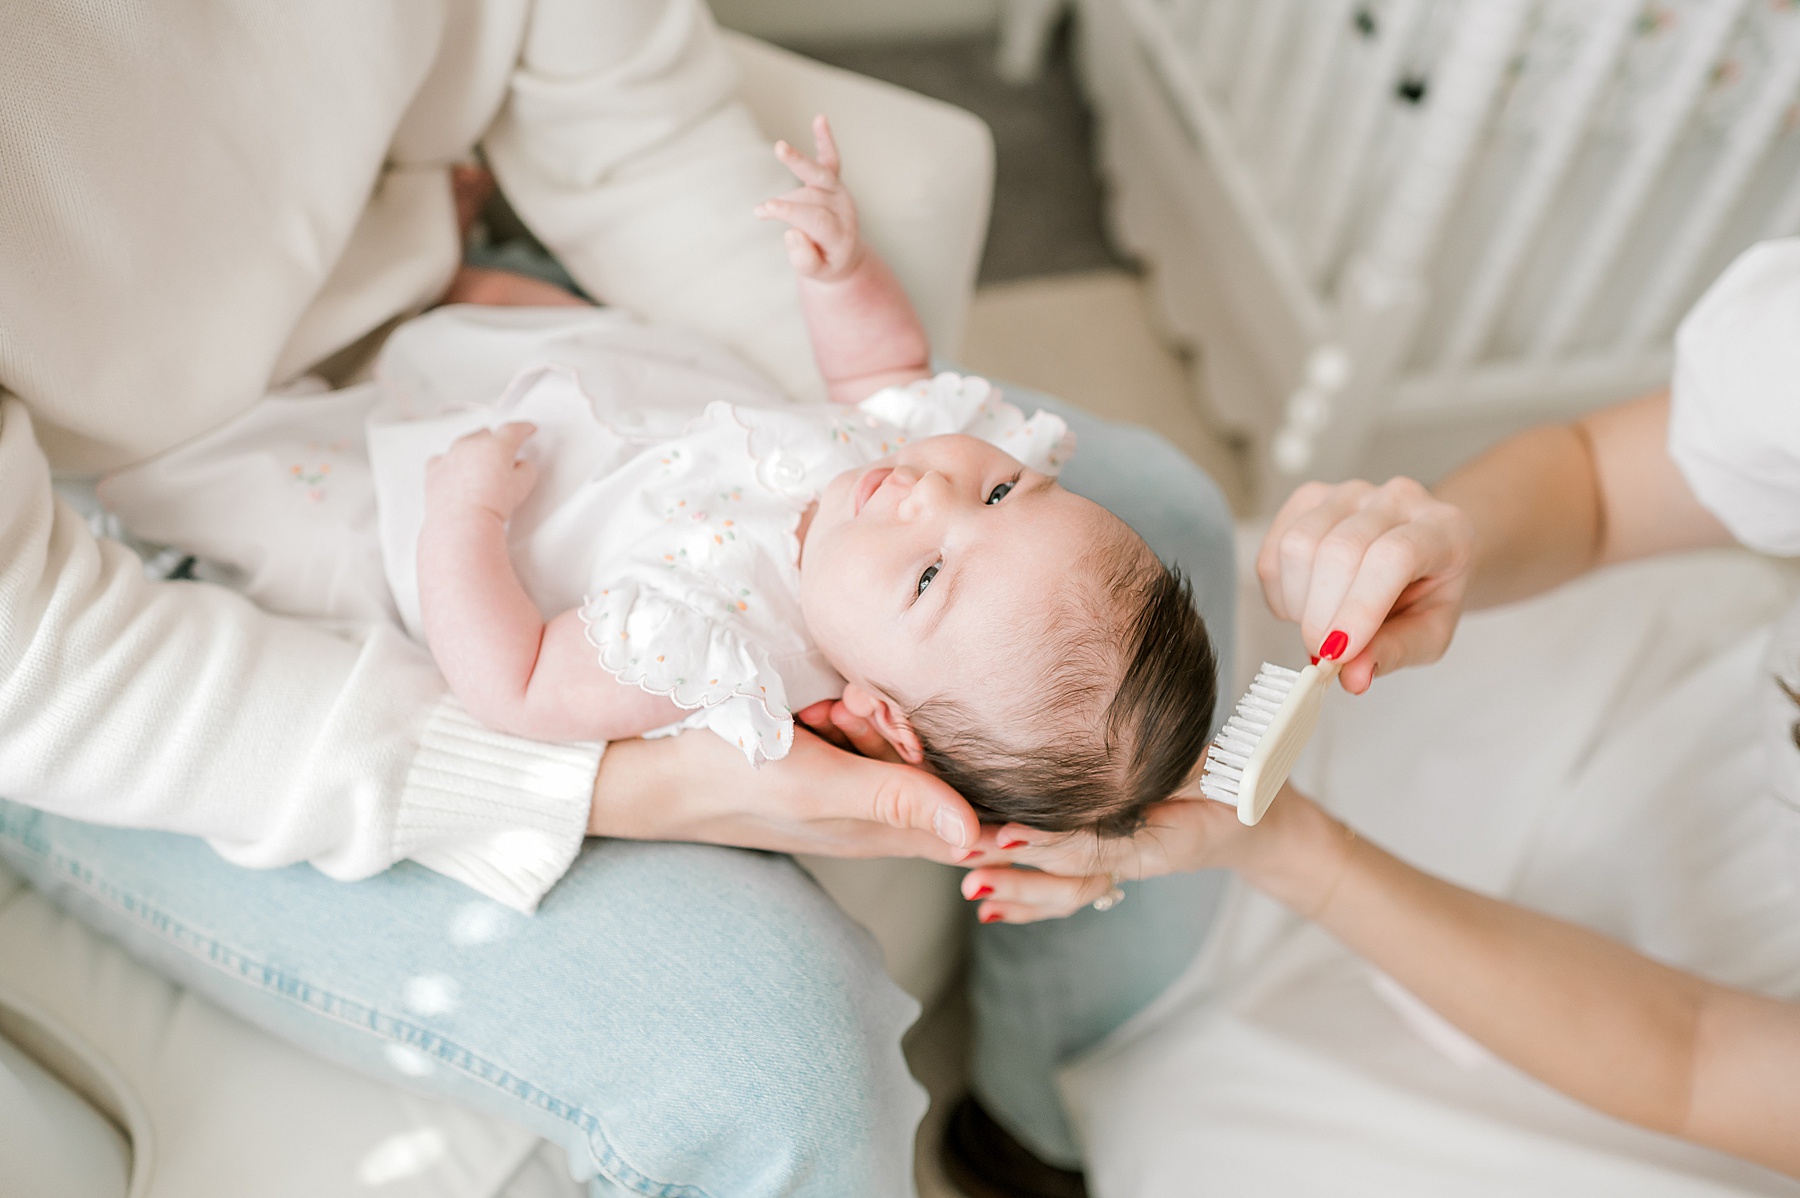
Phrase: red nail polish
(991, 917)
(981, 892)
(1010, 843)
(1334, 645)
(1315, 660)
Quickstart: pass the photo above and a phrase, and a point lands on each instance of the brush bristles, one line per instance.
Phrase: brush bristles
(1238, 739)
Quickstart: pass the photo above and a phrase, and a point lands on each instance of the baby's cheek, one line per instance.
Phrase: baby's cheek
(846, 631)
(829, 610)
(817, 603)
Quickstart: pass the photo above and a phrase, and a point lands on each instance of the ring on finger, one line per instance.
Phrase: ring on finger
(1113, 896)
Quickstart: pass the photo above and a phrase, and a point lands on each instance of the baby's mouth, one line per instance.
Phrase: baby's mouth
(867, 485)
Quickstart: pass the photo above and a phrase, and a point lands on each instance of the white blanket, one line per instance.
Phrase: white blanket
(1593, 754)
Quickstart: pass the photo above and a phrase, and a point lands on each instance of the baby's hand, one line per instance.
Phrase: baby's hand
(482, 470)
(822, 242)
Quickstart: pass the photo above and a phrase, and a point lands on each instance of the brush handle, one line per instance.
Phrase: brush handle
(1287, 735)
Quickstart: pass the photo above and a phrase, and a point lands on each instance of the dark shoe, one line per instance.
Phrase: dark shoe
(983, 1161)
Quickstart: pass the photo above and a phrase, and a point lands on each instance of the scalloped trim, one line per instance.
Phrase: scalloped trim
(756, 447)
(784, 719)
(526, 379)
(963, 400)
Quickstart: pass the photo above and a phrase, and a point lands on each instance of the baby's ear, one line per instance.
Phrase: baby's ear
(888, 718)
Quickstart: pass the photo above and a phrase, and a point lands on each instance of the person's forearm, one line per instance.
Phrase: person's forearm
(865, 333)
(1534, 500)
(1581, 1013)
(636, 776)
(1553, 502)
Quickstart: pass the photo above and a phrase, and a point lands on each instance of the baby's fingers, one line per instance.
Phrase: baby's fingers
(815, 220)
(513, 435)
(493, 445)
(804, 254)
(524, 478)
(825, 145)
(809, 172)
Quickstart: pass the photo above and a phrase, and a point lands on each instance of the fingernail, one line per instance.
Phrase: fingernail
(990, 917)
(949, 829)
(1010, 842)
(981, 892)
(1335, 644)
(973, 855)
(1315, 660)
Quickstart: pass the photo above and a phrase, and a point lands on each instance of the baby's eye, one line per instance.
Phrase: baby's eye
(931, 572)
(999, 493)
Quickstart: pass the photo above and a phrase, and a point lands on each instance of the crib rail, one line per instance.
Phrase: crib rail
(1552, 181)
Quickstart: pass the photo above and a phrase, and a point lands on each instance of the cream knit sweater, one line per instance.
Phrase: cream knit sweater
(199, 202)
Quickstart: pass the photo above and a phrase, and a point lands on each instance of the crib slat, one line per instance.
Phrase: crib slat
(1262, 238)
(1326, 23)
(1464, 87)
(1784, 218)
(1549, 164)
(1749, 139)
(1219, 36)
(1186, 19)
(1249, 91)
(1350, 151)
(1632, 185)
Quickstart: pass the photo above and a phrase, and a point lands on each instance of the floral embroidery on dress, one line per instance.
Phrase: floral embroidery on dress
(700, 602)
(312, 475)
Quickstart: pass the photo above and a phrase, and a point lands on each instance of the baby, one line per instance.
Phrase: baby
(710, 555)
(911, 554)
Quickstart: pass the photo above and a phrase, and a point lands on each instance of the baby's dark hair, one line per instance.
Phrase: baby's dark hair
(1118, 723)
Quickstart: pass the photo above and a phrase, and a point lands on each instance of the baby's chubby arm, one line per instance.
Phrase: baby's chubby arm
(865, 333)
(513, 672)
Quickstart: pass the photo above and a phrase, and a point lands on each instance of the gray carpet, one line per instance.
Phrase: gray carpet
(1046, 194)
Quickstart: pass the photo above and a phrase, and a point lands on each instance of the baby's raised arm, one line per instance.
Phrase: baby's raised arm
(510, 669)
(865, 333)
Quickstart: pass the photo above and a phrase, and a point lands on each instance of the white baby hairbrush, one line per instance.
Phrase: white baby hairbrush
(1256, 749)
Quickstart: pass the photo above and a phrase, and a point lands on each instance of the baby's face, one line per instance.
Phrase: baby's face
(923, 572)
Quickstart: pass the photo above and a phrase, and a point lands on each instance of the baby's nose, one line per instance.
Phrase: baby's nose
(925, 492)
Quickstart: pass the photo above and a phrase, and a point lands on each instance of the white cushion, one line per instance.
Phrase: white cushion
(53, 1142)
(213, 1106)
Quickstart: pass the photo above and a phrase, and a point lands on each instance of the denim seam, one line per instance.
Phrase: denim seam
(348, 1012)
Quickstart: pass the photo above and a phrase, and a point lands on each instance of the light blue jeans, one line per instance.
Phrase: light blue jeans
(687, 1021)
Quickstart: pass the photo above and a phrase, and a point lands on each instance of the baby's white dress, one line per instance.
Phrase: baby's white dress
(671, 481)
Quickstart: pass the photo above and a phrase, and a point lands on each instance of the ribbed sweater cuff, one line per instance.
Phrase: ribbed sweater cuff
(498, 813)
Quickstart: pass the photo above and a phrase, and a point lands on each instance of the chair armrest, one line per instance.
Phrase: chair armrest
(922, 171)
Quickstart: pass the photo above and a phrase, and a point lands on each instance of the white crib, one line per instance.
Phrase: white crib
(1397, 228)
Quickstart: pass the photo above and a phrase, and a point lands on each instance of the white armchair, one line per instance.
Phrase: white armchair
(142, 1089)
